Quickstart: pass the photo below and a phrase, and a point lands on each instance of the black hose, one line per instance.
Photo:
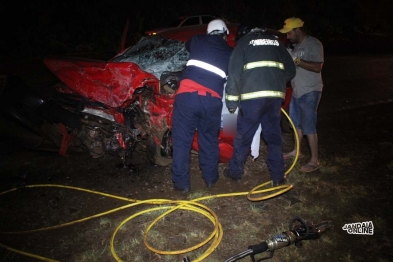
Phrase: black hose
(240, 255)
(252, 250)
(262, 247)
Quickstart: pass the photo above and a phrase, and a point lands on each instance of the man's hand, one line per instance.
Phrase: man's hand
(296, 61)
(232, 110)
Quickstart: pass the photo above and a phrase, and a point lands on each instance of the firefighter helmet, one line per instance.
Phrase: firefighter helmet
(244, 29)
(217, 27)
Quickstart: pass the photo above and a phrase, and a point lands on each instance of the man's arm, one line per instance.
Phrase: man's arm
(235, 71)
(316, 54)
(310, 66)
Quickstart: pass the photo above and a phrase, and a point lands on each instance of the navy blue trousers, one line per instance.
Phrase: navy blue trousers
(195, 112)
(265, 111)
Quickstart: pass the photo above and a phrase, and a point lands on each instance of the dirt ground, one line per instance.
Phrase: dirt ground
(355, 130)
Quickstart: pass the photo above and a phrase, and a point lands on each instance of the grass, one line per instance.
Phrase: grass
(248, 229)
(105, 222)
(91, 255)
(328, 194)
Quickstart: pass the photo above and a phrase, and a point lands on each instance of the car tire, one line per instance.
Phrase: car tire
(157, 155)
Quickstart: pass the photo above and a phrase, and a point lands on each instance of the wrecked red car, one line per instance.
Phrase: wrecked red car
(106, 107)
(110, 107)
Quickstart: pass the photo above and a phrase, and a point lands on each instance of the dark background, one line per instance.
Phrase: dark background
(35, 29)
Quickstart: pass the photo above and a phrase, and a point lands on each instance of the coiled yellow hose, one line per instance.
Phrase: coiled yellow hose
(172, 205)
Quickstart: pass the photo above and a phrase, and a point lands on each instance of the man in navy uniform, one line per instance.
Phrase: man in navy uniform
(198, 105)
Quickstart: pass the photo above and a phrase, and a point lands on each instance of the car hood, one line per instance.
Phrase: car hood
(111, 83)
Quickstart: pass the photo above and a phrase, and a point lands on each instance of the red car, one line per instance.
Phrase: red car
(110, 107)
(185, 33)
(184, 22)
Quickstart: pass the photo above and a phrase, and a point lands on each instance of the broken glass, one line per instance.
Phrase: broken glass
(156, 54)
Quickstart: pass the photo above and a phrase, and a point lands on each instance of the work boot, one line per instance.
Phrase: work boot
(280, 183)
(183, 190)
(212, 183)
(227, 174)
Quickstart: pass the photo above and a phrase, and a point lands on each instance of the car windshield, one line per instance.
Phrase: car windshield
(156, 54)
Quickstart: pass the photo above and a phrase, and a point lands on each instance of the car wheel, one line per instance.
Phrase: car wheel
(159, 154)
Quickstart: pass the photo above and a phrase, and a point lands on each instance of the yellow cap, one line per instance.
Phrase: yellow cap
(290, 24)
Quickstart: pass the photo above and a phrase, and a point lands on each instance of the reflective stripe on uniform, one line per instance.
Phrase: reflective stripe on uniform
(207, 67)
(231, 97)
(265, 93)
(263, 64)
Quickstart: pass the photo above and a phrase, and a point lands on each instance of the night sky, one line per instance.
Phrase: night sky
(42, 27)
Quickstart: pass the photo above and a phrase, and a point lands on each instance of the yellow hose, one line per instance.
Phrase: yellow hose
(27, 254)
(172, 205)
(284, 188)
(296, 142)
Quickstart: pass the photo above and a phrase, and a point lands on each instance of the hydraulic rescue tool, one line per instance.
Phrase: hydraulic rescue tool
(299, 230)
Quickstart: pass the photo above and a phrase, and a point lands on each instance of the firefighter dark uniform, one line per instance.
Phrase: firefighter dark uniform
(259, 68)
(198, 106)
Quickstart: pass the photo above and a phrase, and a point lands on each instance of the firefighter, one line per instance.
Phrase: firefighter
(198, 105)
(259, 68)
